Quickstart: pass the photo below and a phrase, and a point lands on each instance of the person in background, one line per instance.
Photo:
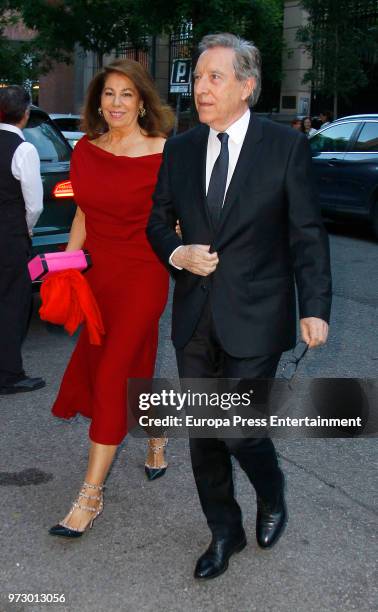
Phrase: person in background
(307, 127)
(114, 170)
(326, 117)
(21, 203)
(297, 124)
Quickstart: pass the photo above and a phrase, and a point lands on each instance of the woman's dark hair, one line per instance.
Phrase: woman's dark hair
(303, 122)
(159, 117)
(14, 102)
(327, 114)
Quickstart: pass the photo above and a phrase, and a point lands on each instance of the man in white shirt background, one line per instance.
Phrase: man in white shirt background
(21, 203)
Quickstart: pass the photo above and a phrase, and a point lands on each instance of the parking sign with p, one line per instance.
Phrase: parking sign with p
(181, 75)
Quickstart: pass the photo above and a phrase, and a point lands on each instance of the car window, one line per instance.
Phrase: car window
(70, 124)
(368, 139)
(49, 143)
(333, 139)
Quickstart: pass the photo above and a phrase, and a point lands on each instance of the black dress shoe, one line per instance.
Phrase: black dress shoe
(22, 386)
(270, 521)
(215, 560)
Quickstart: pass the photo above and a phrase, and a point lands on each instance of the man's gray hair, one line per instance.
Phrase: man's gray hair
(247, 62)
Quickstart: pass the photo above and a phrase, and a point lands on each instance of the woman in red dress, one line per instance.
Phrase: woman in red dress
(113, 172)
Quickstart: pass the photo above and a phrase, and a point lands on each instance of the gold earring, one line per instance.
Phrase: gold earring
(142, 111)
(100, 111)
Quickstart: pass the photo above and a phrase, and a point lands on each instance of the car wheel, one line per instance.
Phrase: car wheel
(375, 219)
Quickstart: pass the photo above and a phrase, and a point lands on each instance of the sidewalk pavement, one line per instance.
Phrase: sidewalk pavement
(140, 554)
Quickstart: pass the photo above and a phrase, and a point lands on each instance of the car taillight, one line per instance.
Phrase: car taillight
(63, 190)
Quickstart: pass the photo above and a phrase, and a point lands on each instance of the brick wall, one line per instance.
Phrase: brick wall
(57, 90)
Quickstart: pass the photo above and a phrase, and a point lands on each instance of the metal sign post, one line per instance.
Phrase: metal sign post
(180, 83)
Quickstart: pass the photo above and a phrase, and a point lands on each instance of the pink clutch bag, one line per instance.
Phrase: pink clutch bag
(41, 266)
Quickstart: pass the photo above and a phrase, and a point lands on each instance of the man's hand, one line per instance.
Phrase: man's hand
(196, 259)
(314, 331)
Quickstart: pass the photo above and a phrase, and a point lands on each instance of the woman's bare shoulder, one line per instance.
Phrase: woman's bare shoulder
(156, 144)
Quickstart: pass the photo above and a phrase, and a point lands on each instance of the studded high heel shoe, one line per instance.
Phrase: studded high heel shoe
(63, 529)
(153, 472)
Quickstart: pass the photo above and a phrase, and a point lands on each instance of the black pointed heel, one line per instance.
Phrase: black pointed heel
(153, 472)
(60, 530)
(63, 530)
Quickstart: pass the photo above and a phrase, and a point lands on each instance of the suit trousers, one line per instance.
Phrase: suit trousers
(15, 301)
(203, 357)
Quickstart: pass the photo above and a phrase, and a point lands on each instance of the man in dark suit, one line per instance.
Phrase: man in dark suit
(242, 190)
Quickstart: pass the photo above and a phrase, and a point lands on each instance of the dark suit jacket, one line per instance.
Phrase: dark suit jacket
(270, 236)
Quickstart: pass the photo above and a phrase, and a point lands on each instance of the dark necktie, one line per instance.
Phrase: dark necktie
(218, 180)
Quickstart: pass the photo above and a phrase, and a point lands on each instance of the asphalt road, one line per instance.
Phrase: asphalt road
(140, 555)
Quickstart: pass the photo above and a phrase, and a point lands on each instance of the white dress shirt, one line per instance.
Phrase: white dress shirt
(236, 132)
(26, 169)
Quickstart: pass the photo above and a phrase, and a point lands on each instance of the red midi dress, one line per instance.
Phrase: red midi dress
(128, 281)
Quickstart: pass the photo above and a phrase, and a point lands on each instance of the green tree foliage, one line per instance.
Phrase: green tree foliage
(103, 25)
(96, 25)
(16, 64)
(16, 58)
(342, 38)
(264, 27)
(205, 17)
(257, 20)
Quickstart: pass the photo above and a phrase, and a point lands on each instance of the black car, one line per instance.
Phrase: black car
(345, 158)
(52, 230)
(69, 125)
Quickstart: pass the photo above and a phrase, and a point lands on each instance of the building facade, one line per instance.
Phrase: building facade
(63, 89)
(295, 96)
